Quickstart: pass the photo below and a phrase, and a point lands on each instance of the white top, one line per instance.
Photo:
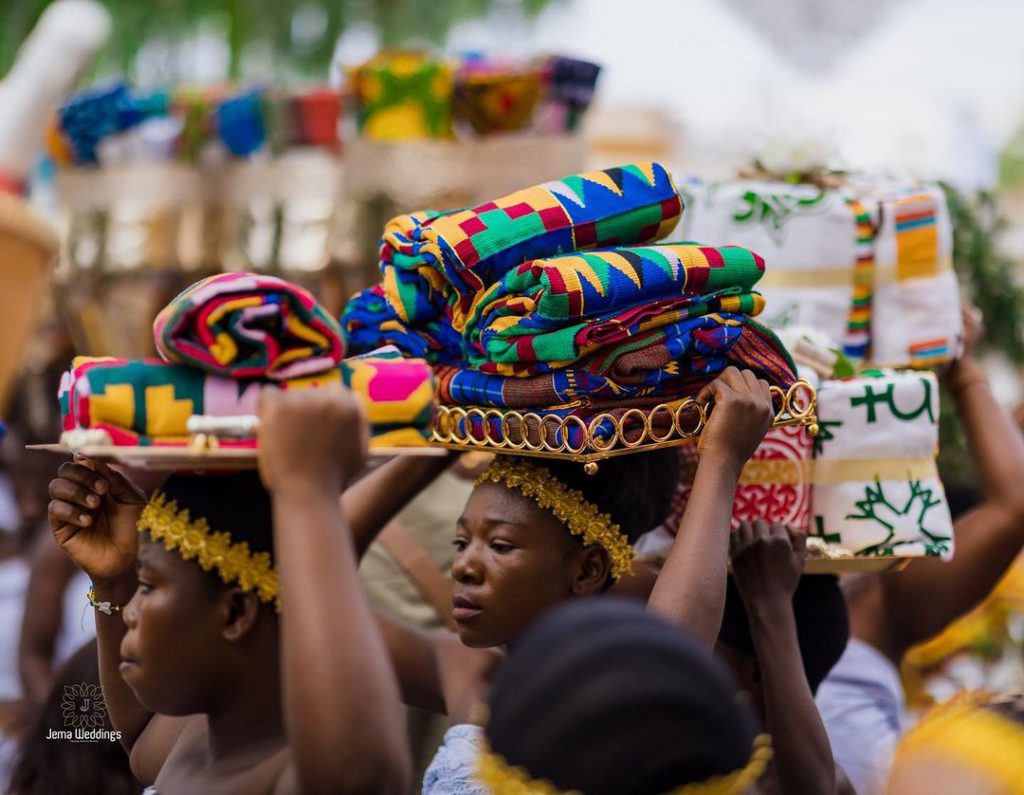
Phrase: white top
(453, 769)
(862, 705)
(14, 574)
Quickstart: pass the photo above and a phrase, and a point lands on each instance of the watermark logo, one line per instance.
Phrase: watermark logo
(83, 706)
(85, 716)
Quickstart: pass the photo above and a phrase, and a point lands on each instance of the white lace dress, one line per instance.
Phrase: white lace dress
(453, 768)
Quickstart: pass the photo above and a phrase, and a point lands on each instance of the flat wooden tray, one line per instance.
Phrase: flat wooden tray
(854, 565)
(171, 458)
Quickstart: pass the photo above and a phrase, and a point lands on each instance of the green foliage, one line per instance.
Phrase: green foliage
(991, 282)
(298, 49)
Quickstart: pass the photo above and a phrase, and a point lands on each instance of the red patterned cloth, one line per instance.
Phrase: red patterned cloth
(773, 486)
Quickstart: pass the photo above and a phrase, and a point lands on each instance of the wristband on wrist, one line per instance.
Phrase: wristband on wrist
(103, 607)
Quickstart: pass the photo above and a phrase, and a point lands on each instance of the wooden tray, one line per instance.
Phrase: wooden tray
(173, 458)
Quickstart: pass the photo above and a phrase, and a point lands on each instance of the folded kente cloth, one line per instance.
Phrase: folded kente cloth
(876, 487)
(149, 402)
(247, 325)
(559, 309)
(368, 322)
(431, 260)
(672, 361)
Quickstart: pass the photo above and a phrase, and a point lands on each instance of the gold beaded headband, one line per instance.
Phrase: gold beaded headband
(963, 730)
(568, 506)
(234, 563)
(500, 778)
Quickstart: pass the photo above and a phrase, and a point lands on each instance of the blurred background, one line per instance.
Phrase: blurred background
(280, 136)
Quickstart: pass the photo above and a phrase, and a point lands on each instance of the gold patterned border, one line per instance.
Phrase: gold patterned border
(547, 435)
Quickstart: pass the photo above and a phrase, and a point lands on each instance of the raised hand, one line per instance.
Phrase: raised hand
(93, 513)
(767, 561)
(741, 416)
(311, 437)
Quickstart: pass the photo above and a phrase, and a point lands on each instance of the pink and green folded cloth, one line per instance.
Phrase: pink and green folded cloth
(149, 402)
(224, 340)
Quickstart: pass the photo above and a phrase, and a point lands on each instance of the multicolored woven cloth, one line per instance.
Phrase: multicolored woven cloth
(246, 325)
(673, 361)
(432, 260)
(368, 322)
(558, 310)
(148, 402)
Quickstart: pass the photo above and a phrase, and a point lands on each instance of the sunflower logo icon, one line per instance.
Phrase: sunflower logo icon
(83, 707)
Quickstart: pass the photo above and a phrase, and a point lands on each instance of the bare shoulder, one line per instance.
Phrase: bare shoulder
(163, 736)
(264, 768)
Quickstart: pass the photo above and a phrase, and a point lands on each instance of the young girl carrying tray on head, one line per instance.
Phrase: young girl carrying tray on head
(537, 533)
(237, 650)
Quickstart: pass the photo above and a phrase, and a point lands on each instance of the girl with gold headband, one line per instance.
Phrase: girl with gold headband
(534, 534)
(237, 651)
(601, 697)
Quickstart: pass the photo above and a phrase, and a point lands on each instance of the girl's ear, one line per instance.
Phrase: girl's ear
(241, 609)
(593, 571)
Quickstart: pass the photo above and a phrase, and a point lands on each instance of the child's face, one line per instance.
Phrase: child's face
(513, 561)
(170, 653)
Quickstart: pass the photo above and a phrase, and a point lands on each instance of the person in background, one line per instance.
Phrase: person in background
(781, 634)
(97, 767)
(14, 574)
(971, 744)
(601, 697)
(862, 699)
(57, 624)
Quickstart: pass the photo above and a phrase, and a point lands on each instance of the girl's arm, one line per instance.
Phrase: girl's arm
(690, 590)
(343, 716)
(925, 597)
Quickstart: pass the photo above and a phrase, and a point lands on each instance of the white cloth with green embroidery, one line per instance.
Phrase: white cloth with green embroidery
(807, 236)
(915, 306)
(868, 264)
(876, 487)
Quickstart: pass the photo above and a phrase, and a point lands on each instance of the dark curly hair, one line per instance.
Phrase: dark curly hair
(602, 697)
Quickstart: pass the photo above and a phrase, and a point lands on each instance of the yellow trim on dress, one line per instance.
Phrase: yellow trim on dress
(501, 778)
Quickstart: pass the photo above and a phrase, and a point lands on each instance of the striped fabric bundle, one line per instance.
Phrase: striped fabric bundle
(672, 361)
(550, 300)
(437, 263)
(247, 325)
(148, 402)
(550, 312)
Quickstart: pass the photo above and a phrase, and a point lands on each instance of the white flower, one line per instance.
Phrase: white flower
(795, 154)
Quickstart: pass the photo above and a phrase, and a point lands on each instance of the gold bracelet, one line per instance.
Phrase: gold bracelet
(103, 607)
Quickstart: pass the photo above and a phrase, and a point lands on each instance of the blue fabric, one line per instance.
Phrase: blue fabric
(368, 322)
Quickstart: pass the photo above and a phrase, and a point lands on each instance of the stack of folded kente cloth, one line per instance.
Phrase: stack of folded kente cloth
(225, 339)
(556, 298)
